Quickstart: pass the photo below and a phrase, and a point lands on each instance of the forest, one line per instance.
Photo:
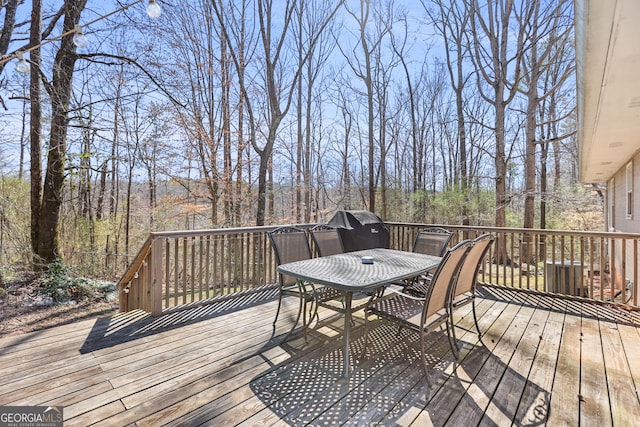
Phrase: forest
(228, 113)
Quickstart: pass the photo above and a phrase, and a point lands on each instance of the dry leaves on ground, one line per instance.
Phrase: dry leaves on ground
(24, 310)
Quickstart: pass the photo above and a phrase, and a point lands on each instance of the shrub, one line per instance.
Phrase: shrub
(57, 284)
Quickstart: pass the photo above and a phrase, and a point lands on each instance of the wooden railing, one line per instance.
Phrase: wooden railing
(183, 268)
(177, 270)
(595, 265)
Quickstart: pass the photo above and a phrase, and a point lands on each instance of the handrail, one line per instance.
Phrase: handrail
(176, 269)
(488, 229)
(222, 231)
(137, 261)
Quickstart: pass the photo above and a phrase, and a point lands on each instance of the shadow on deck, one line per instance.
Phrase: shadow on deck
(123, 327)
(542, 360)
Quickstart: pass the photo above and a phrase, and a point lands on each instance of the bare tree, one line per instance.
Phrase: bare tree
(241, 58)
(278, 84)
(344, 149)
(10, 8)
(497, 62)
(450, 20)
(35, 124)
(363, 69)
(309, 21)
(399, 46)
(555, 117)
(383, 74)
(548, 32)
(206, 118)
(60, 93)
(140, 125)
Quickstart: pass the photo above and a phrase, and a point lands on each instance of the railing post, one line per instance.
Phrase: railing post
(156, 277)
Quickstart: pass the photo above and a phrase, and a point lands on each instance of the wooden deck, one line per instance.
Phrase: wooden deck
(542, 360)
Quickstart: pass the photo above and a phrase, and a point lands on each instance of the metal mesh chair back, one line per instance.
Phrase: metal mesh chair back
(445, 278)
(432, 241)
(290, 244)
(327, 240)
(469, 270)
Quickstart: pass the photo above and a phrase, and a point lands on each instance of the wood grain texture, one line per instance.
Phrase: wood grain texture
(541, 360)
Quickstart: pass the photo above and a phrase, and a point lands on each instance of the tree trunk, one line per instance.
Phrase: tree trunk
(370, 128)
(8, 25)
(35, 132)
(308, 181)
(527, 253)
(101, 191)
(240, 164)
(265, 182)
(240, 68)
(299, 214)
(491, 24)
(227, 172)
(84, 173)
(63, 66)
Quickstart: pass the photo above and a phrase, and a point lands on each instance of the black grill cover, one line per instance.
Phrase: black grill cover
(360, 230)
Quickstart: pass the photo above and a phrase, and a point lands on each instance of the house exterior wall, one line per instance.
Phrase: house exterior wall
(623, 215)
(619, 218)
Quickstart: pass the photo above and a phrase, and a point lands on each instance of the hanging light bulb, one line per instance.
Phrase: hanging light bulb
(79, 39)
(22, 66)
(153, 9)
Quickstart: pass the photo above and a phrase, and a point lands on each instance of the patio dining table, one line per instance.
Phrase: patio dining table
(359, 271)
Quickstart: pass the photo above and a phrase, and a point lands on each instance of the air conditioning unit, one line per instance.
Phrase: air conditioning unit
(563, 277)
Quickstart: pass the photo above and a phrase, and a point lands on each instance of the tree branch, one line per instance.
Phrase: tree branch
(91, 57)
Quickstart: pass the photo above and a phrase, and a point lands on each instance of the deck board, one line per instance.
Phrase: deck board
(410, 408)
(478, 397)
(509, 392)
(565, 392)
(622, 396)
(595, 408)
(541, 360)
(456, 392)
(536, 395)
(630, 338)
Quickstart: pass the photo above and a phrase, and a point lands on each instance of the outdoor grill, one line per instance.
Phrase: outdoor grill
(360, 230)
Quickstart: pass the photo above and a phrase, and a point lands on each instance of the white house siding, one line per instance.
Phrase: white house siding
(625, 273)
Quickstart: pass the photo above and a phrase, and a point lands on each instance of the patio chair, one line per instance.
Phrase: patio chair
(430, 241)
(423, 313)
(291, 244)
(465, 290)
(327, 240)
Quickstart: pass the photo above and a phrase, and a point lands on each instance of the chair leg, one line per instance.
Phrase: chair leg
(423, 356)
(366, 335)
(301, 308)
(307, 319)
(475, 318)
(277, 311)
(305, 322)
(451, 334)
(313, 312)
